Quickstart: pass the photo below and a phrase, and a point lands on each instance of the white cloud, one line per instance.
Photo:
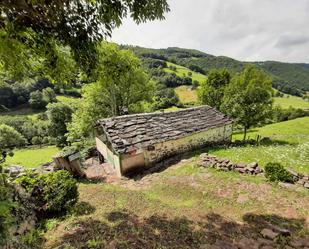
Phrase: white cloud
(241, 29)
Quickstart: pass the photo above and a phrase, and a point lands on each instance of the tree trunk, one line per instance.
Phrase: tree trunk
(245, 133)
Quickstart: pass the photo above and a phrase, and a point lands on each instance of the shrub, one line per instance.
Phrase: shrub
(6, 205)
(276, 172)
(52, 192)
(45, 140)
(37, 101)
(36, 140)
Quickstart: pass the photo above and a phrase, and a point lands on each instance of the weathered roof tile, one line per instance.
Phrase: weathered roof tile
(141, 130)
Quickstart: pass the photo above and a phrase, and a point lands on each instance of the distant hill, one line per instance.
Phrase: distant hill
(292, 78)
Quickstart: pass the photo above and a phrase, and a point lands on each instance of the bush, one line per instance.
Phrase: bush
(52, 192)
(276, 172)
(36, 140)
(45, 140)
(36, 100)
(6, 205)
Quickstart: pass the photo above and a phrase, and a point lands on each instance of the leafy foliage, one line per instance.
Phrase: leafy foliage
(6, 205)
(120, 84)
(212, 91)
(276, 172)
(59, 115)
(10, 138)
(52, 192)
(280, 114)
(165, 97)
(248, 98)
(46, 30)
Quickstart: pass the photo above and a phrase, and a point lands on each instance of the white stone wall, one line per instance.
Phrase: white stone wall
(196, 140)
(111, 157)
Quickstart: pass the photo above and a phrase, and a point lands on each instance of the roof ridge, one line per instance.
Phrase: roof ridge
(157, 113)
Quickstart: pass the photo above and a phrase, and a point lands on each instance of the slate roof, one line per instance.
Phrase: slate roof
(131, 132)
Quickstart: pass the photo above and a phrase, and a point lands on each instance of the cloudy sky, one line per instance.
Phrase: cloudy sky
(250, 30)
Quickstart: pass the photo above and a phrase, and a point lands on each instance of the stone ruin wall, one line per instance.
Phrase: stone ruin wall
(196, 140)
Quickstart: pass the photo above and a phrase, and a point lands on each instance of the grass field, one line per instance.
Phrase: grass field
(22, 111)
(290, 146)
(183, 71)
(186, 206)
(32, 157)
(291, 101)
(181, 207)
(186, 95)
(67, 99)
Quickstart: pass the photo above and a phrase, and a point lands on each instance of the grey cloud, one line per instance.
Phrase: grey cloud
(242, 29)
(291, 40)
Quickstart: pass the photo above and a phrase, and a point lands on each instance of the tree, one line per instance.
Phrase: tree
(10, 138)
(45, 28)
(59, 115)
(120, 84)
(36, 100)
(36, 140)
(248, 98)
(211, 92)
(49, 95)
(165, 97)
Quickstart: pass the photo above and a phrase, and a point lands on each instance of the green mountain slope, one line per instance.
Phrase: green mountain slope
(293, 73)
(290, 78)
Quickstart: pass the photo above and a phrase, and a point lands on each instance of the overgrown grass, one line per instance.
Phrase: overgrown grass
(292, 131)
(170, 205)
(68, 99)
(289, 146)
(186, 94)
(21, 111)
(183, 71)
(291, 101)
(31, 157)
(179, 201)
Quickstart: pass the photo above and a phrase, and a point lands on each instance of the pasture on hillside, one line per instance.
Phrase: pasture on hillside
(289, 145)
(185, 206)
(32, 157)
(186, 94)
(183, 71)
(291, 101)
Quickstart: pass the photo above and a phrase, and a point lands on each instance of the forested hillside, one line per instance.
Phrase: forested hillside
(291, 78)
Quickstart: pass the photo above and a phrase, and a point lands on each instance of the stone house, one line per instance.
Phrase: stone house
(140, 141)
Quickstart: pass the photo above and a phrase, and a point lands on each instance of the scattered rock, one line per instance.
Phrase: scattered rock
(253, 165)
(269, 234)
(286, 185)
(15, 170)
(246, 243)
(300, 242)
(282, 231)
(265, 242)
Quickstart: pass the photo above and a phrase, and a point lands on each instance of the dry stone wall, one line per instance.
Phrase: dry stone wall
(227, 165)
(210, 161)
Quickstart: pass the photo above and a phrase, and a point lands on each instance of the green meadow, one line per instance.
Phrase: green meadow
(291, 101)
(183, 71)
(32, 157)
